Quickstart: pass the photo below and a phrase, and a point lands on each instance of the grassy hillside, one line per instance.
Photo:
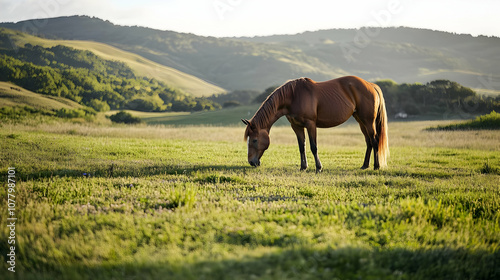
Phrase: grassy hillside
(12, 95)
(96, 202)
(141, 66)
(401, 54)
(145, 67)
(89, 79)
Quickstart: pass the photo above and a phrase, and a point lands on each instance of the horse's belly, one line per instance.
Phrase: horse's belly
(330, 123)
(331, 119)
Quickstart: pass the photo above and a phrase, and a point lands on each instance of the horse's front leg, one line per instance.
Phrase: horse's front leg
(311, 130)
(301, 139)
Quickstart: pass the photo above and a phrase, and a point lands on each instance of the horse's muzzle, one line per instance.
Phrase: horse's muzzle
(254, 163)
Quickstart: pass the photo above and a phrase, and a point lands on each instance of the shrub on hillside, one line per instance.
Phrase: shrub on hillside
(18, 112)
(70, 113)
(489, 121)
(76, 113)
(229, 104)
(124, 117)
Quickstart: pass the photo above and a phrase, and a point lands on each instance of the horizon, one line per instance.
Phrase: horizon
(256, 36)
(258, 18)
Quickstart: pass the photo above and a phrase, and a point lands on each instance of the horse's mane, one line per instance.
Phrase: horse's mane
(277, 98)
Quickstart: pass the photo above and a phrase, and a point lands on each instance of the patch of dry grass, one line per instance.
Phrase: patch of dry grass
(401, 134)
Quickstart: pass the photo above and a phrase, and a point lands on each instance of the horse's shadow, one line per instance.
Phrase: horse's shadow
(117, 171)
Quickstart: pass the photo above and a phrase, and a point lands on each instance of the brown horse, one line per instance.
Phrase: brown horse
(309, 104)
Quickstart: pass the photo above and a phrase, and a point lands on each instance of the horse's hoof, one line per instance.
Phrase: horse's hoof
(364, 167)
(319, 170)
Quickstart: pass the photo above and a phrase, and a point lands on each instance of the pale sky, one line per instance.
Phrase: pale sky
(266, 17)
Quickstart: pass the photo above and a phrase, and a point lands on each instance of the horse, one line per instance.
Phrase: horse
(310, 105)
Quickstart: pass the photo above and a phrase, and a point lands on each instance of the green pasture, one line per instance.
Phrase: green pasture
(97, 201)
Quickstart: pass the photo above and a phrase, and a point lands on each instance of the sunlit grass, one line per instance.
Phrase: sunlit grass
(99, 202)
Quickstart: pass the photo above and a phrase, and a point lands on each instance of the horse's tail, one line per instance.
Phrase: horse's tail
(382, 130)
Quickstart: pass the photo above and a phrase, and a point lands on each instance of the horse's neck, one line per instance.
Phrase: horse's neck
(276, 117)
(270, 112)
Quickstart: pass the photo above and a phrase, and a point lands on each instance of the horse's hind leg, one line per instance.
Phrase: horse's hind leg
(368, 152)
(369, 139)
(374, 143)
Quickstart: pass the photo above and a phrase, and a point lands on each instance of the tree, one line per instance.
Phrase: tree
(261, 97)
(145, 105)
(99, 105)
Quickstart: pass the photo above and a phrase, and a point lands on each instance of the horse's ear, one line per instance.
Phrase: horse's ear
(245, 121)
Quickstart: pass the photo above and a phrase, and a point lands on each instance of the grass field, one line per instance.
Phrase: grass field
(158, 202)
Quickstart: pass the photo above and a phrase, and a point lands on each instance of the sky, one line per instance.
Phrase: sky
(228, 18)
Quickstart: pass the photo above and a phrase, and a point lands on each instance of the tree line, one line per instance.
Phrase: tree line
(89, 80)
(435, 97)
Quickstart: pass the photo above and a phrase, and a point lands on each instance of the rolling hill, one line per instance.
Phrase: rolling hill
(141, 66)
(12, 95)
(401, 54)
(90, 80)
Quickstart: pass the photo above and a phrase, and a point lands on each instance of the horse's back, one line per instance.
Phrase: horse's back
(339, 98)
(360, 90)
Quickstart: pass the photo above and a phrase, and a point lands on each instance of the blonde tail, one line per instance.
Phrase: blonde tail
(382, 131)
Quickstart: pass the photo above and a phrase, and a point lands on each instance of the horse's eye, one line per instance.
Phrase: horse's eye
(254, 141)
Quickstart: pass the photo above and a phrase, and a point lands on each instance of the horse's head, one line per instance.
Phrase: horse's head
(258, 142)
